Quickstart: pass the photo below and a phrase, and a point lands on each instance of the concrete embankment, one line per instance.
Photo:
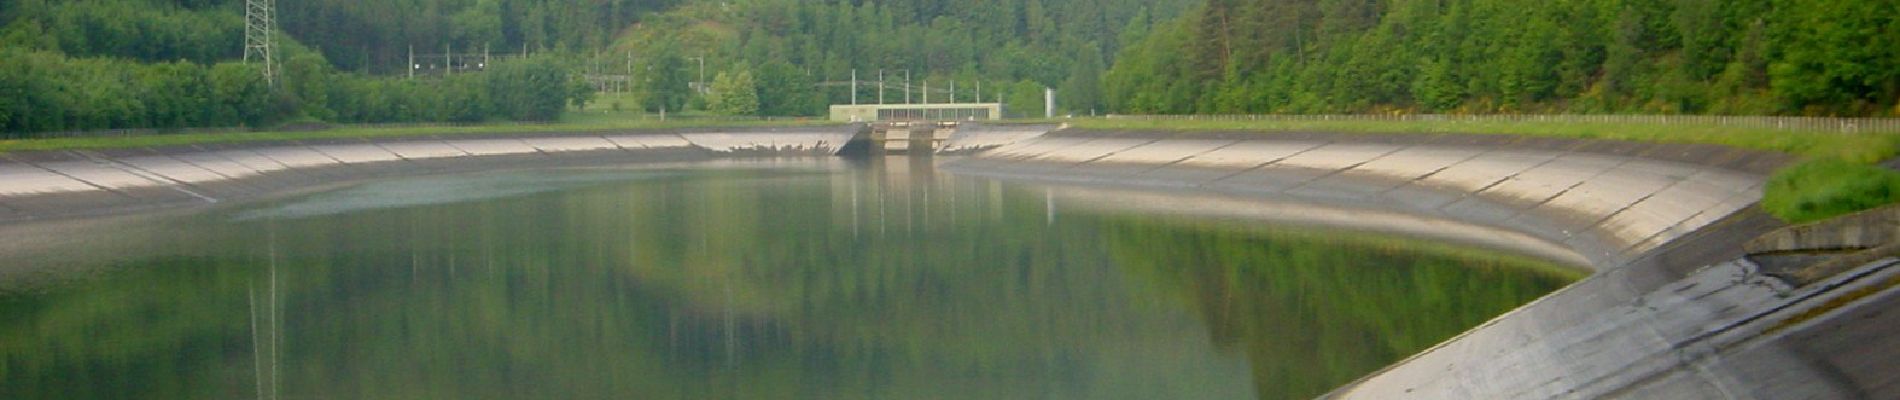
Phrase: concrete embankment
(1673, 310)
(52, 184)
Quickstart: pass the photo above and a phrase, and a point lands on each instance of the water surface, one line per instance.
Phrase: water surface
(819, 280)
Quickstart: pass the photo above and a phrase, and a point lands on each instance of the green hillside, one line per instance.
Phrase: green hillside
(1781, 57)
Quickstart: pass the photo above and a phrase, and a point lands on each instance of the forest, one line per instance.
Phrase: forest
(1735, 57)
(112, 64)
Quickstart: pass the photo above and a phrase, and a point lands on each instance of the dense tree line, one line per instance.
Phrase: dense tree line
(1014, 48)
(1812, 57)
(117, 64)
(44, 91)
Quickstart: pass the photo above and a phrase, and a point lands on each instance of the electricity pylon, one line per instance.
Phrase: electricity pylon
(259, 20)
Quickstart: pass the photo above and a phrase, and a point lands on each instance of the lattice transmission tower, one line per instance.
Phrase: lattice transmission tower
(259, 21)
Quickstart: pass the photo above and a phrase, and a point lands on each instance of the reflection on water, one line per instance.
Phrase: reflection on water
(825, 281)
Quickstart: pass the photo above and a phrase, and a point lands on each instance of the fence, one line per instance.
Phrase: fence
(1801, 124)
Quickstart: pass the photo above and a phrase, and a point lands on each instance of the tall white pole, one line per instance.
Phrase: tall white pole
(1048, 103)
(854, 86)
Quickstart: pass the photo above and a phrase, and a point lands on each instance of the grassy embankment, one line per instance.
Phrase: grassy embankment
(1837, 175)
(597, 116)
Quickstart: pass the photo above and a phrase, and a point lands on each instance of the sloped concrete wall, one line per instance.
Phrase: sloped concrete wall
(38, 185)
(1609, 207)
(1672, 312)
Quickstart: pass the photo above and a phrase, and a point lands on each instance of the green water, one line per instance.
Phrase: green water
(818, 280)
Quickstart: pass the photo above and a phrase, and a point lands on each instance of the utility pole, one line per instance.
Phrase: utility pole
(1048, 103)
(880, 86)
(979, 90)
(412, 62)
(907, 86)
(953, 91)
(448, 58)
(926, 91)
(259, 21)
(854, 86)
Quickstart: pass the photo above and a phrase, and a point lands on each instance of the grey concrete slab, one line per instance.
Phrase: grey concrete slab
(297, 156)
(1338, 188)
(1191, 175)
(1611, 191)
(171, 169)
(1485, 170)
(20, 179)
(1249, 154)
(423, 149)
(355, 153)
(1165, 152)
(1032, 148)
(659, 141)
(1268, 180)
(1547, 180)
(1414, 162)
(252, 160)
(1483, 210)
(1111, 170)
(563, 144)
(217, 164)
(1090, 150)
(1419, 199)
(102, 175)
(1338, 156)
(491, 147)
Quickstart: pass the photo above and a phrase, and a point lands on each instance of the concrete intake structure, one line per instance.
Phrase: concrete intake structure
(1672, 311)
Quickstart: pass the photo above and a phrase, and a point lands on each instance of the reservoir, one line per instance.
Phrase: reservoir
(807, 279)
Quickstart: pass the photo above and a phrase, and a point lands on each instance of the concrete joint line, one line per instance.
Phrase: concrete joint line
(1513, 175)
(451, 144)
(223, 155)
(158, 180)
(1262, 165)
(1112, 154)
(75, 178)
(1337, 172)
(1545, 201)
(1427, 176)
(195, 165)
(260, 154)
(176, 185)
(320, 152)
(1189, 157)
(1598, 224)
(399, 156)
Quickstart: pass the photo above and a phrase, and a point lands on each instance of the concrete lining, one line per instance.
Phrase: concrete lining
(1672, 310)
(54, 184)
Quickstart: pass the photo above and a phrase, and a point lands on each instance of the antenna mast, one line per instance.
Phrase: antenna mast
(259, 21)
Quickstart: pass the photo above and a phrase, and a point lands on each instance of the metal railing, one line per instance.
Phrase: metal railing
(1800, 124)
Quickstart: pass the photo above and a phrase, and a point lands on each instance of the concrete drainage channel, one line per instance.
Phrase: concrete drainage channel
(1685, 301)
(1674, 309)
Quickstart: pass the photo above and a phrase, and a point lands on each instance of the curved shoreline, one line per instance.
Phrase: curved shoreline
(1672, 311)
